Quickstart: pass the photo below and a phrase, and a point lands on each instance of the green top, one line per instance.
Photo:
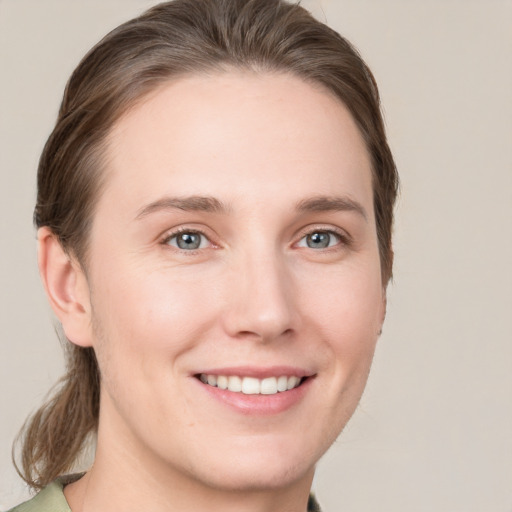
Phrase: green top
(51, 499)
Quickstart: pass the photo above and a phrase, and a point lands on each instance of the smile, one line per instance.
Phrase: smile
(252, 385)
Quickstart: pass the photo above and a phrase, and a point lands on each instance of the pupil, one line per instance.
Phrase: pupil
(188, 241)
(318, 240)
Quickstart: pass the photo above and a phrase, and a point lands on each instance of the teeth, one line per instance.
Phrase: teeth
(282, 383)
(251, 385)
(235, 384)
(222, 382)
(268, 386)
(292, 382)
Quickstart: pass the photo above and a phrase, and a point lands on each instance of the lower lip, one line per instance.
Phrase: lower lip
(259, 404)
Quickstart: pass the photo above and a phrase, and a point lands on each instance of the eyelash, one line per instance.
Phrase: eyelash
(343, 238)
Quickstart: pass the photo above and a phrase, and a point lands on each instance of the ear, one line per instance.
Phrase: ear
(66, 287)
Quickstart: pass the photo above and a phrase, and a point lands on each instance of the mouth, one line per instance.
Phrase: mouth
(255, 390)
(252, 385)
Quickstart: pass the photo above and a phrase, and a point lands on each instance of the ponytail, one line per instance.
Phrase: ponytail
(55, 436)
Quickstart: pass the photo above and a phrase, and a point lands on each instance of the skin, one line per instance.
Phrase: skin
(254, 294)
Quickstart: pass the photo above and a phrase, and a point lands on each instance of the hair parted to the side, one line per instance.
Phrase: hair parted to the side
(168, 41)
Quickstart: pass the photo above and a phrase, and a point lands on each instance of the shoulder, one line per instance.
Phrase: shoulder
(50, 499)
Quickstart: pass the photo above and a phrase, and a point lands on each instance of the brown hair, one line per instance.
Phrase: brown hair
(169, 40)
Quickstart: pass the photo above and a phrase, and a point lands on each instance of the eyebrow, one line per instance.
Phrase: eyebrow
(331, 204)
(188, 204)
(212, 205)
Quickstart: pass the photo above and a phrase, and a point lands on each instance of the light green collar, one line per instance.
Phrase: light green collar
(50, 499)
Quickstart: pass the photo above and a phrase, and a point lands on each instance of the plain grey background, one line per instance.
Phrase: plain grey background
(434, 429)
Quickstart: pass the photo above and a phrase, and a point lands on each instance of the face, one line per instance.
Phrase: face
(234, 279)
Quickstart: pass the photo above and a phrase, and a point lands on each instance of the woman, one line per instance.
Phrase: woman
(214, 222)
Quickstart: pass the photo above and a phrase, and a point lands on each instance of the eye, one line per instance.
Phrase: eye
(320, 240)
(188, 240)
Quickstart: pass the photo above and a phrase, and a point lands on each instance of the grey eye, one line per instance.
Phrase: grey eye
(319, 240)
(188, 241)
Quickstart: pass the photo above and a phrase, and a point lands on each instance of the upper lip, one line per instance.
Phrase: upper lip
(257, 372)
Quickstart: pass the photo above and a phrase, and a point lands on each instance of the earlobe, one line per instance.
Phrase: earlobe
(66, 288)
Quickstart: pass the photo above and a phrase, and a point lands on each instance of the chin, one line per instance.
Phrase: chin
(257, 479)
(265, 466)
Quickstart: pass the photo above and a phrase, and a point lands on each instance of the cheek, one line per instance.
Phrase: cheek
(142, 327)
(347, 312)
(347, 304)
(144, 322)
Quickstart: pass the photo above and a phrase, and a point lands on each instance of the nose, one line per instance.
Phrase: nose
(261, 299)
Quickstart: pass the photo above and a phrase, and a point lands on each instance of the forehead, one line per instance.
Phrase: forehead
(236, 132)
